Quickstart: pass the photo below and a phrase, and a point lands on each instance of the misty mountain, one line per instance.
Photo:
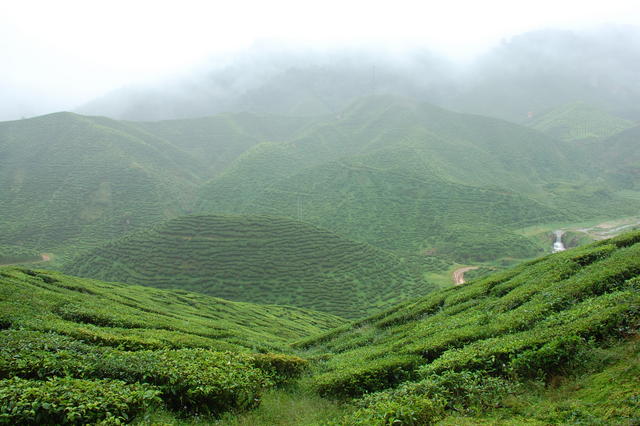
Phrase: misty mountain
(523, 76)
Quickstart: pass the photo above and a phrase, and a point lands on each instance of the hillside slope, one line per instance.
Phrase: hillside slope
(80, 351)
(69, 180)
(618, 157)
(408, 176)
(578, 121)
(214, 142)
(136, 317)
(257, 259)
(546, 318)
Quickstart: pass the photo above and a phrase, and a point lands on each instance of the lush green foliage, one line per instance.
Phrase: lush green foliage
(257, 259)
(59, 326)
(530, 321)
(134, 318)
(188, 379)
(388, 171)
(63, 400)
(68, 180)
(412, 177)
(428, 400)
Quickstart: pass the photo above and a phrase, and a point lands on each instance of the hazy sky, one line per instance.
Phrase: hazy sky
(57, 54)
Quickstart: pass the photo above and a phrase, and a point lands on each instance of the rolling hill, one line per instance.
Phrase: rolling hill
(68, 180)
(78, 351)
(136, 317)
(552, 341)
(457, 354)
(214, 142)
(578, 122)
(408, 176)
(257, 259)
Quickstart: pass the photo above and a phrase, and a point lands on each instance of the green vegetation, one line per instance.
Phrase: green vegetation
(63, 400)
(74, 350)
(135, 318)
(13, 254)
(388, 171)
(72, 181)
(618, 159)
(578, 121)
(498, 349)
(540, 320)
(411, 177)
(257, 259)
(354, 215)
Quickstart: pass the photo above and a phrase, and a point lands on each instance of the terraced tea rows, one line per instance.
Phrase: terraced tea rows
(75, 350)
(68, 181)
(257, 259)
(134, 317)
(534, 321)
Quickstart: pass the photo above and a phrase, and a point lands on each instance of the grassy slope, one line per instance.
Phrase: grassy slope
(257, 259)
(540, 319)
(69, 180)
(135, 317)
(578, 121)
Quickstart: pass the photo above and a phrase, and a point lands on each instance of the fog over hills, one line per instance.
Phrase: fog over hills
(521, 77)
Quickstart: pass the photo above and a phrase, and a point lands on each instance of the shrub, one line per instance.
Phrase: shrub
(549, 359)
(373, 376)
(280, 368)
(64, 400)
(413, 410)
(196, 380)
(426, 401)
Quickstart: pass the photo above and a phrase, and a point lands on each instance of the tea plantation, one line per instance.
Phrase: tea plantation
(462, 351)
(80, 351)
(257, 259)
(553, 340)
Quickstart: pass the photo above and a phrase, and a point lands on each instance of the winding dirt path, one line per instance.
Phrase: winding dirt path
(458, 274)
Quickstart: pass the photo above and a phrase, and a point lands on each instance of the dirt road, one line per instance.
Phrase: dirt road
(458, 274)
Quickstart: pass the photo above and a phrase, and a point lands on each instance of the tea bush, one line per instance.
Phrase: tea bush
(64, 400)
(280, 368)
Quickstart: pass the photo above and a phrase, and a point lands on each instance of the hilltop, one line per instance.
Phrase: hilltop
(257, 259)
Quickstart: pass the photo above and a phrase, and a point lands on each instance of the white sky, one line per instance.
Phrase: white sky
(55, 54)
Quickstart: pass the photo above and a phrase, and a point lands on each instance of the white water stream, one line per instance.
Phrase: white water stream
(558, 245)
